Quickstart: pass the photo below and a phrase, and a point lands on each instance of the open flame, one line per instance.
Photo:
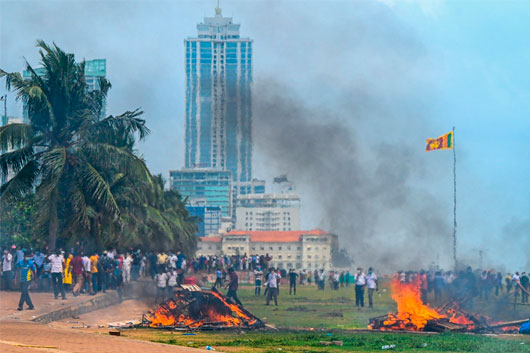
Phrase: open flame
(412, 314)
(200, 309)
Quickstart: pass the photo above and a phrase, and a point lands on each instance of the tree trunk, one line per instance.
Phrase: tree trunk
(52, 229)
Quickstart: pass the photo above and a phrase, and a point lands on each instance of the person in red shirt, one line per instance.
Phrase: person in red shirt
(77, 269)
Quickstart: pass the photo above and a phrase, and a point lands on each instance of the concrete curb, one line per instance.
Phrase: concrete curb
(96, 303)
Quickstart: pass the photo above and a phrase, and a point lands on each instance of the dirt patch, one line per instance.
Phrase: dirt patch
(299, 308)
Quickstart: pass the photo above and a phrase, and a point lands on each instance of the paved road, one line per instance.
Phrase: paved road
(24, 336)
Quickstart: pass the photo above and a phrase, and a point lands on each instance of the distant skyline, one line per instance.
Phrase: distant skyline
(409, 70)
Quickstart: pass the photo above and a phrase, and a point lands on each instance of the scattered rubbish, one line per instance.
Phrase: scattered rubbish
(424, 345)
(189, 343)
(329, 343)
(101, 326)
(73, 322)
(115, 333)
(388, 346)
(328, 334)
(128, 324)
(208, 348)
(188, 334)
(75, 317)
(337, 343)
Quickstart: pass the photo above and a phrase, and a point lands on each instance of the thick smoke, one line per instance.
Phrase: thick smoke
(349, 126)
(362, 191)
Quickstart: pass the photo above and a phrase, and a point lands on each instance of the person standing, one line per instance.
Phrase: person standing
(127, 263)
(371, 283)
(360, 283)
(7, 269)
(56, 271)
(218, 279)
(161, 283)
(273, 280)
(171, 281)
(27, 273)
(292, 281)
(77, 269)
(67, 275)
(233, 285)
(258, 275)
(94, 272)
(87, 278)
(525, 283)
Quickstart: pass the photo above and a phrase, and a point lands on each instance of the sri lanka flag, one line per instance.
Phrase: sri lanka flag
(444, 142)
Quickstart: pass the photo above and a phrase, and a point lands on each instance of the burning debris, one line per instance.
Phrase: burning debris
(414, 315)
(196, 308)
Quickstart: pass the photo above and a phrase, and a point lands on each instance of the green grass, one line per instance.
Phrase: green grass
(254, 342)
(327, 313)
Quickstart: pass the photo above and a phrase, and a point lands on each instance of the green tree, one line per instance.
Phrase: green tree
(67, 151)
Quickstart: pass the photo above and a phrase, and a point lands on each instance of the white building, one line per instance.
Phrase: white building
(308, 250)
(268, 212)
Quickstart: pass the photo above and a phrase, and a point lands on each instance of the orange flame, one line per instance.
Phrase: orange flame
(214, 310)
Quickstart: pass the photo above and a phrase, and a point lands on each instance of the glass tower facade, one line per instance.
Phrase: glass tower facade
(218, 98)
(204, 187)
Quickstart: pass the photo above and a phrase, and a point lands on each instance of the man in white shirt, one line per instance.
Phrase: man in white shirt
(57, 267)
(127, 263)
(7, 269)
(371, 283)
(273, 279)
(360, 283)
(161, 284)
(86, 274)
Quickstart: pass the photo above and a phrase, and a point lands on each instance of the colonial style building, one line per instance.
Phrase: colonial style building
(308, 250)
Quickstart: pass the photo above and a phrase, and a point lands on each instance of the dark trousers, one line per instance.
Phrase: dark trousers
(57, 281)
(233, 295)
(272, 293)
(8, 278)
(257, 289)
(94, 282)
(359, 296)
(371, 297)
(24, 295)
(292, 287)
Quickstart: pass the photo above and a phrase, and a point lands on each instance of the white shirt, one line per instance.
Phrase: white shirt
(127, 263)
(273, 279)
(172, 281)
(56, 262)
(371, 281)
(7, 262)
(161, 280)
(173, 261)
(86, 263)
(360, 280)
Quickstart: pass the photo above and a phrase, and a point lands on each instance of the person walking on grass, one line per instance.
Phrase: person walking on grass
(371, 283)
(56, 271)
(273, 279)
(360, 283)
(27, 273)
(258, 275)
(292, 281)
(233, 286)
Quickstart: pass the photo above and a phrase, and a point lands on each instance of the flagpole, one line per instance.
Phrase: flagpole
(454, 198)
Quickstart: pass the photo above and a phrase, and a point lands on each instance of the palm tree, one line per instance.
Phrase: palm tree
(67, 153)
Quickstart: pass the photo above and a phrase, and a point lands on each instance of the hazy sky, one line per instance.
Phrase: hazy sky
(424, 66)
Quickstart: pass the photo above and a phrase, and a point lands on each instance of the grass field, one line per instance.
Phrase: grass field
(327, 313)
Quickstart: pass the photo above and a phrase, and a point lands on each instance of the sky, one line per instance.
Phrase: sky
(386, 73)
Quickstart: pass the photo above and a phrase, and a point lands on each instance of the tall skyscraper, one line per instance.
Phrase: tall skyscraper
(218, 98)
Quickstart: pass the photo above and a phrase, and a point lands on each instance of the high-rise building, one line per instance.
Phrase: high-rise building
(94, 69)
(218, 98)
(204, 187)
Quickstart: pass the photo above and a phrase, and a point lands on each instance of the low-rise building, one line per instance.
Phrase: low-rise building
(308, 250)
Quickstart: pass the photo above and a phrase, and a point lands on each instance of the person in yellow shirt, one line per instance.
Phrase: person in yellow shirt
(94, 272)
(67, 279)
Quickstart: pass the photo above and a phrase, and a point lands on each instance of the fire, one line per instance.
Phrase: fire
(199, 309)
(412, 313)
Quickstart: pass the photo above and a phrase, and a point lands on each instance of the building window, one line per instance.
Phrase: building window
(279, 248)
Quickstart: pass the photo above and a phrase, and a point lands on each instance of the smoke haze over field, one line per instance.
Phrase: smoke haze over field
(345, 94)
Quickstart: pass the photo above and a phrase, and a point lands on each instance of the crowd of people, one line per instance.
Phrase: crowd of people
(467, 285)
(76, 272)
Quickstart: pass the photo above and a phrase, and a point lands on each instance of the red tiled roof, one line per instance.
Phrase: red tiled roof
(276, 236)
(210, 239)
